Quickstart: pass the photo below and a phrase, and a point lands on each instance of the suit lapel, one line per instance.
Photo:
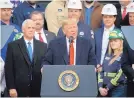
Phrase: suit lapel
(64, 50)
(24, 51)
(78, 49)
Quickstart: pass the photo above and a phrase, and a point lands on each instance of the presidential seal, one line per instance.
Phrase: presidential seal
(68, 80)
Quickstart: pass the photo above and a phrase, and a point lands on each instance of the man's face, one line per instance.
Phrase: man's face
(29, 30)
(38, 20)
(108, 20)
(71, 30)
(74, 13)
(6, 14)
(124, 2)
(131, 18)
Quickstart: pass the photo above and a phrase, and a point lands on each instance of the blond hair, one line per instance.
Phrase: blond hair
(68, 21)
(111, 51)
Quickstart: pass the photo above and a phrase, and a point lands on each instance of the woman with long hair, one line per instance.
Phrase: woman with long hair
(111, 80)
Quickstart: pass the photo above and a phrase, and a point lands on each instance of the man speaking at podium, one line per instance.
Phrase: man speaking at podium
(70, 49)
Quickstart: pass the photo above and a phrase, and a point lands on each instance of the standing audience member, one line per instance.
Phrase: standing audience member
(111, 80)
(91, 14)
(55, 13)
(23, 63)
(75, 11)
(6, 13)
(122, 10)
(40, 33)
(24, 10)
(128, 57)
(109, 13)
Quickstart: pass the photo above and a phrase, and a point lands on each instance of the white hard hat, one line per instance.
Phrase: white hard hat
(74, 4)
(6, 4)
(131, 9)
(109, 9)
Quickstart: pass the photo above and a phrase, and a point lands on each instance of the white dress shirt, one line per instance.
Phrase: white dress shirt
(105, 40)
(2, 75)
(127, 8)
(26, 41)
(74, 44)
(42, 35)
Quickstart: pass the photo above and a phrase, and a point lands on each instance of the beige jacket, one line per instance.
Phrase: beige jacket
(55, 13)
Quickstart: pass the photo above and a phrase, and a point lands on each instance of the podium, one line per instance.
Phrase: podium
(69, 81)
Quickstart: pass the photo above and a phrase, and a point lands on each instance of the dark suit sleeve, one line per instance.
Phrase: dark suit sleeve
(9, 68)
(48, 58)
(126, 63)
(91, 55)
(60, 33)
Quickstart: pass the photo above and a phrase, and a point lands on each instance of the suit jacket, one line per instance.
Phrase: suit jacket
(57, 52)
(20, 73)
(127, 61)
(98, 37)
(119, 21)
(49, 36)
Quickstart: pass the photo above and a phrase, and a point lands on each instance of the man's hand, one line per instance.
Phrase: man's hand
(103, 91)
(13, 93)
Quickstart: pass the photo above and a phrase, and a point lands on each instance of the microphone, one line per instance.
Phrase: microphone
(71, 39)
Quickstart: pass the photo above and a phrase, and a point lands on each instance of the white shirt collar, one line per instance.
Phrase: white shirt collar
(41, 31)
(110, 29)
(67, 39)
(26, 41)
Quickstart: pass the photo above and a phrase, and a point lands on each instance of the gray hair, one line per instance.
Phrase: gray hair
(36, 13)
(25, 22)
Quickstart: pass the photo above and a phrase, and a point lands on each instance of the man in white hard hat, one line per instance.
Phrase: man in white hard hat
(6, 10)
(101, 36)
(131, 14)
(55, 13)
(122, 10)
(75, 11)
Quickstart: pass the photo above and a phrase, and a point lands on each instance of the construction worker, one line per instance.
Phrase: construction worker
(6, 10)
(101, 35)
(131, 14)
(23, 11)
(112, 80)
(74, 11)
(55, 13)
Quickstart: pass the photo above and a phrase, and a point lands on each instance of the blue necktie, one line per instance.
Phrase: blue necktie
(30, 50)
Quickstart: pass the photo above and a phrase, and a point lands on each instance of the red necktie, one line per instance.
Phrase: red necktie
(71, 48)
(40, 38)
(124, 13)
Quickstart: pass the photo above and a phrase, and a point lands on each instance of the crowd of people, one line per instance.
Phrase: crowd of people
(66, 32)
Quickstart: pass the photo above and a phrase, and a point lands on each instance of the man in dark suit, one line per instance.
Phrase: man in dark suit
(70, 49)
(40, 33)
(122, 9)
(128, 67)
(23, 63)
